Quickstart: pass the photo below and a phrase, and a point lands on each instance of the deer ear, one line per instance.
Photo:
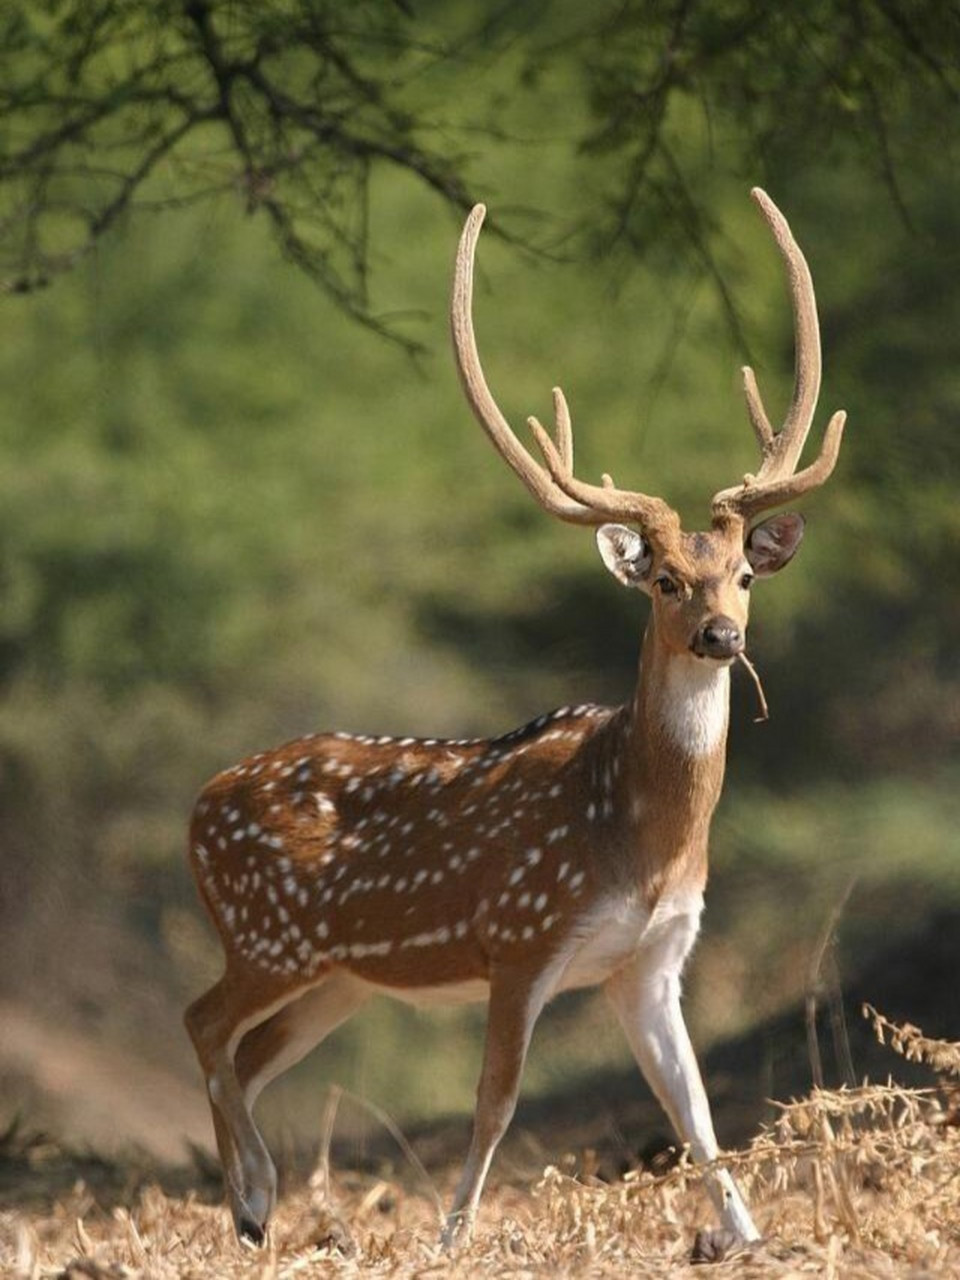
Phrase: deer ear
(627, 555)
(773, 543)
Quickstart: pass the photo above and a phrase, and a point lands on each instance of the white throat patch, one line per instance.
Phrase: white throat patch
(695, 703)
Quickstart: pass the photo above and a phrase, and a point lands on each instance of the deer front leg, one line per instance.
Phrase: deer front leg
(647, 1002)
(516, 999)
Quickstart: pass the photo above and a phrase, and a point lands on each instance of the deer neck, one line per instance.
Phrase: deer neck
(676, 733)
(682, 705)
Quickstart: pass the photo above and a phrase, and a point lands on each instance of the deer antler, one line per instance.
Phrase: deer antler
(555, 488)
(656, 517)
(778, 480)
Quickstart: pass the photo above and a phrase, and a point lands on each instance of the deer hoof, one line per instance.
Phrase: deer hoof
(330, 1232)
(252, 1231)
(715, 1245)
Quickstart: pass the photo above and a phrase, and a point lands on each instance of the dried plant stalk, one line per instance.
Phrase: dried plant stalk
(764, 709)
(912, 1044)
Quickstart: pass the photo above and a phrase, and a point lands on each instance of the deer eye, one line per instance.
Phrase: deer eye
(745, 581)
(666, 584)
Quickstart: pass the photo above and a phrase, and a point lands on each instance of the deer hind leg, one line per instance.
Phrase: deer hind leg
(277, 1044)
(646, 997)
(216, 1023)
(287, 1036)
(516, 1000)
(219, 1023)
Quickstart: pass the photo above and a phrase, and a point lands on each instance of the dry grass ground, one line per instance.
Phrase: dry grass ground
(858, 1183)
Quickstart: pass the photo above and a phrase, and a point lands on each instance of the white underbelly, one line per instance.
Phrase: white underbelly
(472, 991)
(608, 938)
(615, 933)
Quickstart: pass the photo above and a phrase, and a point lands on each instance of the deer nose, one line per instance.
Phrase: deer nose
(718, 638)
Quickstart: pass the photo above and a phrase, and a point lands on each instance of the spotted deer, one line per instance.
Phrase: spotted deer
(569, 853)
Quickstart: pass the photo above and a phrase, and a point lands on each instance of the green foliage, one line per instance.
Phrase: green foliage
(113, 104)
(771, 88)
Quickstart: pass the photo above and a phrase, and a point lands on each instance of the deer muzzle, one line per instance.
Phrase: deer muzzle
(718, 638)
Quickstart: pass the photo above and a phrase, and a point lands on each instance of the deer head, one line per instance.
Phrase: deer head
(699, 582)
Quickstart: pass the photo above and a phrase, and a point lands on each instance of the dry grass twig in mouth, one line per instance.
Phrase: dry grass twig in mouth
(764, 709)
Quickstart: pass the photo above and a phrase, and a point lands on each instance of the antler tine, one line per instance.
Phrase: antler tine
(747, 500)
(775, 482)
(480, 398)
(758, 415)
(654, 515)
(561, 443)
(564, 427)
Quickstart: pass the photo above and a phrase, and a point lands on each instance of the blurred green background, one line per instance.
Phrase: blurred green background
(231, 514)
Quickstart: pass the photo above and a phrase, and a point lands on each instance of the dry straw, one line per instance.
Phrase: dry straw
(854, 1183)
